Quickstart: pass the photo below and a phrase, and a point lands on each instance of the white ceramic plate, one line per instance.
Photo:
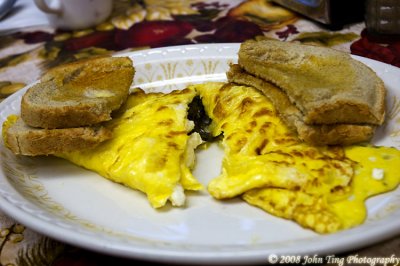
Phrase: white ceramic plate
(76, 206)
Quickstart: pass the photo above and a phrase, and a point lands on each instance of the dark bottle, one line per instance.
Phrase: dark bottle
(334, 14)
(382, 17)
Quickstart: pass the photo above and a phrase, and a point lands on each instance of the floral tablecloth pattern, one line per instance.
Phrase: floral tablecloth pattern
(25, 54)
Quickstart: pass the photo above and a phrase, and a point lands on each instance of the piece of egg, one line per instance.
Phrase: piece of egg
(151, 149)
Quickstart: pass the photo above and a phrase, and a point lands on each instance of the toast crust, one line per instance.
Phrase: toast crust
(326, 85)
(24, 140)
(333, 134)
(78, 94)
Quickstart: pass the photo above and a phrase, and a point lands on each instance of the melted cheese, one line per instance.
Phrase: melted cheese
(150, 149)
(365, 184)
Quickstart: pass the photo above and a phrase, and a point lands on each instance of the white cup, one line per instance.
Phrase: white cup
(75, 14)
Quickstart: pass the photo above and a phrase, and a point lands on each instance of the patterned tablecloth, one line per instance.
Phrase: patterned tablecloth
(27, 52)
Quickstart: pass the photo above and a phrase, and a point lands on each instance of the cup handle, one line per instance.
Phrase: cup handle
(42, 5)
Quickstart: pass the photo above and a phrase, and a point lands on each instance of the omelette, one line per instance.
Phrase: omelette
(153, 146)
(260, 150)
(374, 174)
(151, 149)
(321, 188)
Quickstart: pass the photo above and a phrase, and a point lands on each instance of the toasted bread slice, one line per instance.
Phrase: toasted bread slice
(326, 85)
(25, 140)
(333, 134)
(82, 93)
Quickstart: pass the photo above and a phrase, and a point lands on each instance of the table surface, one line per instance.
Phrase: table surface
(30, 46)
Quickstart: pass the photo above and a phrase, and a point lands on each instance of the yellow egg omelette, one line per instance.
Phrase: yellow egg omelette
(321, 188)
(151, 149)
